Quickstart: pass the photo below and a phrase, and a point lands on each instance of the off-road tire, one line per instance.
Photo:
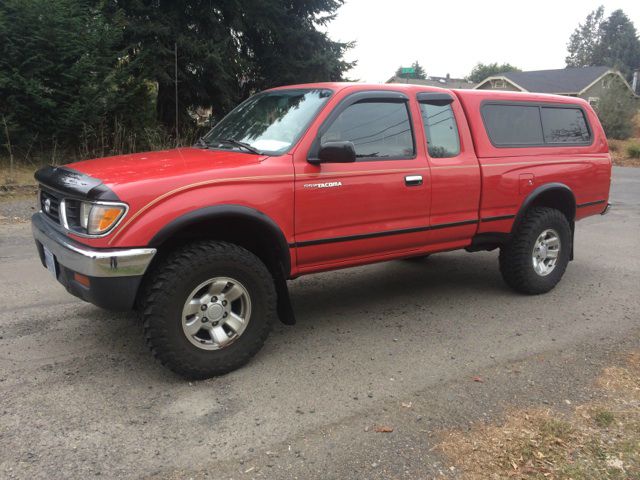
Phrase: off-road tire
(167, 289)
(516, 263)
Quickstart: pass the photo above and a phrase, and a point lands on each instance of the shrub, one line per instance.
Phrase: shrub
(633, 150)
(616, 110)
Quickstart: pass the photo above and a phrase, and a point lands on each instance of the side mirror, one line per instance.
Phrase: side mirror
(336, 152)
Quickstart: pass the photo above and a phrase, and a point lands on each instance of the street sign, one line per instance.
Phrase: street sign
(408, 70)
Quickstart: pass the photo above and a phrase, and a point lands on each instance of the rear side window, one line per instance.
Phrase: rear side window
(378, 130)
(509, 125)
(564, 125)
(441, 129)
(519, 125)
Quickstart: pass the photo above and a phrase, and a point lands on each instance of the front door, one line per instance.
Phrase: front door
(377, 205)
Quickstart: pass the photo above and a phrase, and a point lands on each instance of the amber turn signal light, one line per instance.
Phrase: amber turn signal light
(82, 279)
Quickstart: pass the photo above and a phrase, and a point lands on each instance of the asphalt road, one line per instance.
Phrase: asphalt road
(395, 344)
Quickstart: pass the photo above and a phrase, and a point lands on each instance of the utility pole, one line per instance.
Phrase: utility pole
(175, 52)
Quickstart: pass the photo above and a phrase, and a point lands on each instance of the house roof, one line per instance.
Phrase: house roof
(442, 82)
(563, 80)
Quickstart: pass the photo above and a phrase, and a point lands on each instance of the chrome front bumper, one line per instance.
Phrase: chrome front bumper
(90, 262)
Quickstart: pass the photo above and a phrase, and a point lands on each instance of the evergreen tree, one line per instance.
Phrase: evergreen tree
(418, 71)
(60, 75)
(281, 43)
(584, 39)
(226, 50)
(611, 42)
(618, 46)
(79, 71)
(155, 32)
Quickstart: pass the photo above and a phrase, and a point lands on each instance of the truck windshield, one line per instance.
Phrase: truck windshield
(270, 122)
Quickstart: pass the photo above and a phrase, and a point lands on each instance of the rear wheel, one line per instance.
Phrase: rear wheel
(208, 308)
(535, 259)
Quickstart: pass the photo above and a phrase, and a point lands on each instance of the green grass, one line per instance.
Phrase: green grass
(603, 418)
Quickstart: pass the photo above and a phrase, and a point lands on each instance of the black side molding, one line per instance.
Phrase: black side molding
(590, 204)
(495, 219)
(74, 183)
(384, 233)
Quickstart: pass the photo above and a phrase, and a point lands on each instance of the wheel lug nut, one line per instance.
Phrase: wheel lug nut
(224, 303)
(203, 308)
(214, 299)
(215, 324)
(224, 315)
(205, 319)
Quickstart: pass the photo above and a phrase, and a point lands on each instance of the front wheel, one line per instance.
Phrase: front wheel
(537, 256)
(208, 308)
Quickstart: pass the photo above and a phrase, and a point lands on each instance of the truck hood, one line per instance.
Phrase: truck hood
(146, 167)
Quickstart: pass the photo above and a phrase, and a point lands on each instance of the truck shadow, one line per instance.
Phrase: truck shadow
(426, 282)
(396, 292)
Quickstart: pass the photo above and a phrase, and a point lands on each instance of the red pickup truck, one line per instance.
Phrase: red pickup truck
(201, 241)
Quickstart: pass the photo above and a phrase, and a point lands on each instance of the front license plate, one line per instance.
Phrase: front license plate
(50, 262)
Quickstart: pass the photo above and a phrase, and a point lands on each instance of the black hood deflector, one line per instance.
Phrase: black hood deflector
(74, 183)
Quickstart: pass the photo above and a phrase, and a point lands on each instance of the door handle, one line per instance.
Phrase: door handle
(413, 180)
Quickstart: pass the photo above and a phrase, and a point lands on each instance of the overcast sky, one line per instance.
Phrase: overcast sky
(451, 36)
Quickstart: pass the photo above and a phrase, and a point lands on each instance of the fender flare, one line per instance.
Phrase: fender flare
(536, 193)
(219, 212)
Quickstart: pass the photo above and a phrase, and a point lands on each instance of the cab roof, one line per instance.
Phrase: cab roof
(469, 94)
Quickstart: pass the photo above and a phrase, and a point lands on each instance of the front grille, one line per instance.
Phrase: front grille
(67, 212)
(72, 209)
(50, 204)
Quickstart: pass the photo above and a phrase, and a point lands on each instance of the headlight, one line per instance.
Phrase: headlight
(98, 218)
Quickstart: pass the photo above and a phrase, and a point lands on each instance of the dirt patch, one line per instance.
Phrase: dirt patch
(598, 440)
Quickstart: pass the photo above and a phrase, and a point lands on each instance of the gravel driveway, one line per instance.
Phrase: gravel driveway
(17, 208)
(412, 346)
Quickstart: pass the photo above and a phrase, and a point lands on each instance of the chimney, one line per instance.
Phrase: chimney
(634, 84)
(449, 76)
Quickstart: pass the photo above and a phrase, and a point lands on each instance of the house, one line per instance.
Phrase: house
(443, 82)
(589, 83)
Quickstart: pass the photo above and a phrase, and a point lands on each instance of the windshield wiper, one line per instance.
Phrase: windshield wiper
(202, 142)
(238, 143)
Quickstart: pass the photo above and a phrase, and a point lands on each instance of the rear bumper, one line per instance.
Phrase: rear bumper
(606, 209)
(114, 275)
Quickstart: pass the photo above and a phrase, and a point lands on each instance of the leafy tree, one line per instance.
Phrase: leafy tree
(616, 110)
(484, 70)
(612, 42)
(418, 72)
